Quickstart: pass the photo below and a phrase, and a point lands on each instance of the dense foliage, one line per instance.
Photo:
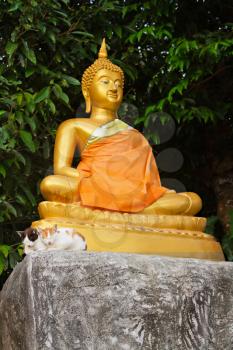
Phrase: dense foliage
(177, 57)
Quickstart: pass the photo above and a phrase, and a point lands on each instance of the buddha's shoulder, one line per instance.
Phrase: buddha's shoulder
(78, 124)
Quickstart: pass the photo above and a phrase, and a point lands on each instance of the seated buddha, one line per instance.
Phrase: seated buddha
(117, 172)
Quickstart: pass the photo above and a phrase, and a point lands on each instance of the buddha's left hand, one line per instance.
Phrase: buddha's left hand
(170, 191)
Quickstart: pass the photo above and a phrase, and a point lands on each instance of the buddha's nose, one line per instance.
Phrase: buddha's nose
(113, 87)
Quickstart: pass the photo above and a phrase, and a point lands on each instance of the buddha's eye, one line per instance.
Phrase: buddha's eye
(105, 81)
(117, 83)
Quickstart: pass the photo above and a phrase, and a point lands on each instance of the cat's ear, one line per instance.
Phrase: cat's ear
(21, 234)
(39, 231)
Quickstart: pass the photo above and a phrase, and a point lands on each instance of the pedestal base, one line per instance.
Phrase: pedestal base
(177, 236)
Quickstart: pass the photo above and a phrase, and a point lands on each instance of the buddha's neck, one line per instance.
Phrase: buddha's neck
(103, 115)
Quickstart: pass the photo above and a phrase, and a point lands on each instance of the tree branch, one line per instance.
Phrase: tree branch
(210, 77)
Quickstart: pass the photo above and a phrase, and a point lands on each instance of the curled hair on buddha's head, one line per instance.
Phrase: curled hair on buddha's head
(101, 63)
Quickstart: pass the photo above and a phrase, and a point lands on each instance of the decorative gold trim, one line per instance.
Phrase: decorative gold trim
(121, 227)
(81, 214)
(108, 129)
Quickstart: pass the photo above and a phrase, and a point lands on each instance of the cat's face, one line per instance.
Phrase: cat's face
(48, 239)
(48, 235)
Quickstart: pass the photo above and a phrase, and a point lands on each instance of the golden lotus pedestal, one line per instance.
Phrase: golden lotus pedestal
(170, 235)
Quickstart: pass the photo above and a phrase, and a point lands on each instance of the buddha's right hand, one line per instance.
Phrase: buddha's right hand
(67, 171)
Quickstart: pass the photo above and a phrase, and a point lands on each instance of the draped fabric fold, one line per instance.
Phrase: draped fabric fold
(118, 170)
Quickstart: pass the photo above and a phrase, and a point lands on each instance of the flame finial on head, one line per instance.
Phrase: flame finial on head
(103, 50)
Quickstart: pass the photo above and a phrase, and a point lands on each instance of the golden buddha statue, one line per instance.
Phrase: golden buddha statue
(114, 197)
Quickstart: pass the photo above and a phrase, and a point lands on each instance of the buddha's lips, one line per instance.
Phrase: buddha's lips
(110, 94)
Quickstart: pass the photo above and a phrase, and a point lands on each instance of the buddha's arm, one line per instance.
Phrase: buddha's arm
(64, 149)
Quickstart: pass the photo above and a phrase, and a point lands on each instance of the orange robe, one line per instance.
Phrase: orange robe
(119, 172)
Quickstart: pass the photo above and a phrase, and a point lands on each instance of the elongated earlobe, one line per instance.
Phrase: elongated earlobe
(87, 100)
(88, 104)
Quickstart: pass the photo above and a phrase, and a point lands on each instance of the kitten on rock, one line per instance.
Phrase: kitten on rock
(52, 238)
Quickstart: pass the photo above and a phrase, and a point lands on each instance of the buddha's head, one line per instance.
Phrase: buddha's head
(102, 83)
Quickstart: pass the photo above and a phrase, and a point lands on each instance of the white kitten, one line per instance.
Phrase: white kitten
(64, 239)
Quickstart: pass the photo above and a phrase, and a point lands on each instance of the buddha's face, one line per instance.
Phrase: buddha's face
(106, 90)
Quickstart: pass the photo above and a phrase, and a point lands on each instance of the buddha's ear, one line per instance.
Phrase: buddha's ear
(87, 100)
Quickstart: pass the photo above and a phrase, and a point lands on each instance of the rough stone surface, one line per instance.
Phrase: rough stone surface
(104, 301)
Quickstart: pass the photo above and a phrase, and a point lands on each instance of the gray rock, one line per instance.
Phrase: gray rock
(105, 301)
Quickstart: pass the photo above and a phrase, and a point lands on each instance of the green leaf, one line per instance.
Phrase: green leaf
(71, 80)
(118, 31)
(31, 122)
(15, 6)
(2, 112)
(125, 10)
(11, 48)
(155, 138)
(42, 94)
(14, 258)
(161, 103)
(20, 250)
(52, 106)
(2, 170)
(10, 208)
(20, 199)
(28, 194)
(60, 94)
(28, 97)
(139, 120)
(89, 35)
(2, 263)
(150, 109)
(29, 53)
(5, 249)
(64, 97)
(19, 99)
(29, 71)
(26, 137)
(31, 106)
(52, 37)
